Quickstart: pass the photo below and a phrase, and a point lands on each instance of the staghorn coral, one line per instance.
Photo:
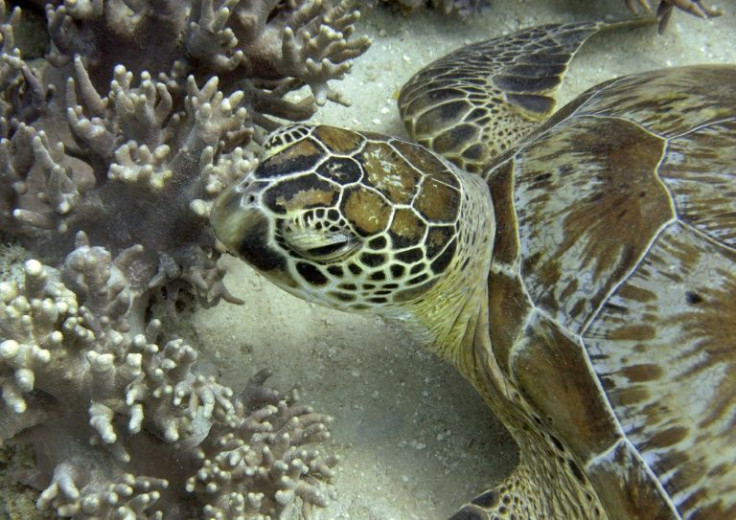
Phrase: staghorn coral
(146, 110)
(122, 424)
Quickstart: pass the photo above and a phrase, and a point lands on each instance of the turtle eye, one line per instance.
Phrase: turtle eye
(322, 246)
(314, 240)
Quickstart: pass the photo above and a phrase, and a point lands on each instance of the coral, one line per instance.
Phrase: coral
(112, 149)
(143, 111)
(122, 424)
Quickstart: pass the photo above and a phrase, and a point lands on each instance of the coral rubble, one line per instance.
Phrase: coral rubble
(112, 148)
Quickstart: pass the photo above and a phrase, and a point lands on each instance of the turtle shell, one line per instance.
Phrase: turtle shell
(612, 294)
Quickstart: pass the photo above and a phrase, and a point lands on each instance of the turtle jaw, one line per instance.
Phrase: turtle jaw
(246, 230)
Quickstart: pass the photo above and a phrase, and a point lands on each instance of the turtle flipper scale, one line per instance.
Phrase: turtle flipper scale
(475, 103)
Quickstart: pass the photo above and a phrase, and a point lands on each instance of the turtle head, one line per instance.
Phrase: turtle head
(351, 220)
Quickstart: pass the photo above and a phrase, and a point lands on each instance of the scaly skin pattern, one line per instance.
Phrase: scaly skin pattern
(583, 282)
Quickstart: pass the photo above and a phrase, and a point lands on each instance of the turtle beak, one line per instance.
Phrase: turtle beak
(244, 228)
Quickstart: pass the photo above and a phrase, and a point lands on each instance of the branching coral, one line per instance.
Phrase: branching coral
(144, 111)
(131, 159)
(111, 151)
(266, 48)
(124, 427)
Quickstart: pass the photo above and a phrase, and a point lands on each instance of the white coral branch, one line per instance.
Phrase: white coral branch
(209, 40)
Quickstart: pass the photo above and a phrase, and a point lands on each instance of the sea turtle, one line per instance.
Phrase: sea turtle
(583, 278)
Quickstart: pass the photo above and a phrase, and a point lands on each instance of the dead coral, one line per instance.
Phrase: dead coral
(124, 427)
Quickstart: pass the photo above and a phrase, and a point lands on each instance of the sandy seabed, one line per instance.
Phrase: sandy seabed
(415, 439)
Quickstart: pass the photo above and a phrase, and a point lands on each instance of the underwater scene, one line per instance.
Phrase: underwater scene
(148, 147)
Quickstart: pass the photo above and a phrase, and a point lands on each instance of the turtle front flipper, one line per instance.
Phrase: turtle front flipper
(475, 103)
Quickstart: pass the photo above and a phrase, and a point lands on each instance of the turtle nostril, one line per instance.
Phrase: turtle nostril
(248, 192)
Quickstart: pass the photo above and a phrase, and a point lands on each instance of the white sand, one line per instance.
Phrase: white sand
(416, 441)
